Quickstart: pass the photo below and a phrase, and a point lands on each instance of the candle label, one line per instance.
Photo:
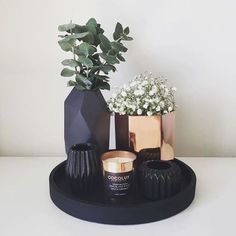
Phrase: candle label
(118, 184)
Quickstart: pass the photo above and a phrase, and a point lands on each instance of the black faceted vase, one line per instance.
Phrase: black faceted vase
(83, 168)
(159, 179)
(86, 119)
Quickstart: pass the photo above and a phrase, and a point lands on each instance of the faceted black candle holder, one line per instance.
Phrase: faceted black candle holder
(148, 154)
(159, 179)
(83, 168)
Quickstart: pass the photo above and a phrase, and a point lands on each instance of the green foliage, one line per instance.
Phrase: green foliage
(94, 55)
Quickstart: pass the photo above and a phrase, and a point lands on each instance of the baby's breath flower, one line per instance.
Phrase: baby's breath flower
(174, 89)
(123, 93)
(151, 93)
(139, 112)
(144, 95)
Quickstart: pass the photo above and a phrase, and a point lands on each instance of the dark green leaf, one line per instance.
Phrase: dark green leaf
(66, 27)
(101, 77)
(86, 49)
(118, 31)
(79, 29)
(66, 45)
(67, 72)
(119, 56)
(104, 41)
(107, 68)
(91, 25)
(82, 80)
(99, 29)
(119, 46)
(103, 68)
(76, 36)
(127, 38)
(103, 48)
(126, 30)
(89, 38)
(71, 83)
(85, 61)
(112, 52)
(104, 85)
(109, 59)
(70, 62)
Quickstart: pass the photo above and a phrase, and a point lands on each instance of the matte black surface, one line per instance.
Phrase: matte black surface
(137, 210)
(83, 168)
(148, 154)
(159, 179)
(86, 119)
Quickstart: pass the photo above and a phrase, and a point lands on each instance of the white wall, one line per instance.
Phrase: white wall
(191, 42)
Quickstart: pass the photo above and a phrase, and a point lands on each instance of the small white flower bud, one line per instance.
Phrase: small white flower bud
(139, 111)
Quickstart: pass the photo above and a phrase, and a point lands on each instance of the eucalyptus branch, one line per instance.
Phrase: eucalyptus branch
(84, 43)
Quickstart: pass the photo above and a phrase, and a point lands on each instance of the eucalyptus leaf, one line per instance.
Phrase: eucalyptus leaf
(91, 25)
(119, 46)
(109, 59)
(119, 56)
(78, 29)
(82, 80)
(127, 38)
(112, 52)
(70, 62)
(105, 41)
(85, 61)
(103, 48)
(104, 85)
(67, 72)
(99, 29)
(126, 30)
(66, 27)
(66, 45)
(76, 36)
(71, 83)
(86, 49)
(118, 31)
(101, 77)
(89, 38)
(107, 68)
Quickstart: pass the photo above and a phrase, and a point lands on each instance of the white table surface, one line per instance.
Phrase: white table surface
(26, 208)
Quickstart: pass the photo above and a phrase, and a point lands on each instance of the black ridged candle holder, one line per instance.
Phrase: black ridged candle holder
(83, 168)
(159, 179)
(148, 154)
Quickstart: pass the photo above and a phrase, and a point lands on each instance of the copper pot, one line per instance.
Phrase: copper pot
(136, 133)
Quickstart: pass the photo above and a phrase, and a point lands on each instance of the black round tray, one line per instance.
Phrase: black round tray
(137, 210)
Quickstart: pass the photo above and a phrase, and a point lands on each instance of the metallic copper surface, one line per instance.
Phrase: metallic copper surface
(136, 133)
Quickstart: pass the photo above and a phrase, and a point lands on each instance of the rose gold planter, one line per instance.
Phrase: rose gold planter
(135, 133)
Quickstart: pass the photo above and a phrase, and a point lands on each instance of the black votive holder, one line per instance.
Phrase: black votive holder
(159, 179)
(83, 168)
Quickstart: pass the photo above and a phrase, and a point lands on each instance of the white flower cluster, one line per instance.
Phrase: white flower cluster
(145, 95)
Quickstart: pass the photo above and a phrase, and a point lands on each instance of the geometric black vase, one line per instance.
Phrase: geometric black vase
(83, 168)
(159, 179)
(86, 119)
